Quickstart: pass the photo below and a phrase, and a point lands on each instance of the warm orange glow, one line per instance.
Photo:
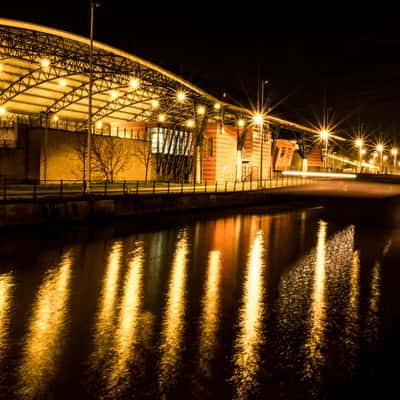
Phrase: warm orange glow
(6, 287)
(62, 82)
(181, 96)
(201, 110)
(155, 103)
(258, 119)
(3, 110)
(161, 117)
(359, 142)
(241, 123)
(55, 118)
(217, 106)
(134, 83)
(45, 63)
(394, 151)
(379, 147)
(99, 124)
(320, 174)
(114, 94)
(324, 134)
(190, 123)
(385, 157)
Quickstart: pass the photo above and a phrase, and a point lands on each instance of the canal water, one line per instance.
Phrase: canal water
(241, 305)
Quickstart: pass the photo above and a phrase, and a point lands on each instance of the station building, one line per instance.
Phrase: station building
(67, 102)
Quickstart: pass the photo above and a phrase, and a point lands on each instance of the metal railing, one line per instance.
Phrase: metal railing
(12, 190)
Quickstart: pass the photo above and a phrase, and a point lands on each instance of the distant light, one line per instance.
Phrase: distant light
(363, 151)
(201, 110)
(134, 83)
(359, 143)
(190, 123)
(114, 94)
(319, 174)
(241, 123)
(394, 151)
(99, 124)
(55, 118)
(181, 96)
(62, 82)
(3, 110)
(45, 63)
(385, 157)
(324, 134)
(155, 103)
(217, 106)
(375, 154)
(161, 117)
(258, 119)
(379, 148)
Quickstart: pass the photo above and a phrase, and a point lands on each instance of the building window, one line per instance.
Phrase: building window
(209, 147)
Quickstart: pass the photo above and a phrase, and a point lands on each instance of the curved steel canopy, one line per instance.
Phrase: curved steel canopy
(47, 70)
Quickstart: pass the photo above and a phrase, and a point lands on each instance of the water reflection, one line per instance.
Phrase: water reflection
(173, 322)
(210, 313)
(315, 340)
(128, 321)
(106, 315)
(250, 337)
(6, 284)
(47, 329)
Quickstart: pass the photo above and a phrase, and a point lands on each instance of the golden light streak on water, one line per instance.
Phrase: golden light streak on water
(314, 344)
(106, 316)
(6, 285)
(372, 319)
(352, 311)
(128, 321)
(46, 332)
(173, 321)
(250, 337)
(209, 320)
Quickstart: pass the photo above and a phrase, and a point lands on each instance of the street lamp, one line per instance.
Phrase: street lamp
(324, 135)
(259, 121)
(359, 144)
(379, 149)
(394, 154)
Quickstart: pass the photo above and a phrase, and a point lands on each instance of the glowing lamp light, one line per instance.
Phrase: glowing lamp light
(114, 94)
(155, 103)
(181, 96)
(45, 63)
(394, 151)
(217, 106)
(359, 142)
(258, 119)
(55, 118)
(161, 117)
(99, 124)
(379, 148)
(385, 157)
(324, 134)
(190, 123)
(241, 123)
(201, 110)
(3, 110)
(134, 83)
(62, 83)
(363, 151)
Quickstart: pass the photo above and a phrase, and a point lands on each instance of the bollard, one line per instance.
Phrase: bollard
(182, 186)
(168, 187)
(216, 186)
(137, 187)
(61, 188)
(154, 188)
(124, 187)
(105, 188)
(205, 187)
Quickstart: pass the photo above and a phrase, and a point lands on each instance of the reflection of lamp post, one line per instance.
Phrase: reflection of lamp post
(324, 135)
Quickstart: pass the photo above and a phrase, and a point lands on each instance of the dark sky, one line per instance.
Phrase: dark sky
(346, 58)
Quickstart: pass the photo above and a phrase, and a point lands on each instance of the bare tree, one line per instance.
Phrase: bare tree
(111, 154)
(79, 147)
(141, 150)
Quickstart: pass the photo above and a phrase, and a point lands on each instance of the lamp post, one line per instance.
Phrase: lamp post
(359, 144)
(324, 135)
(379, 149)
(259, 121)
(394, 154)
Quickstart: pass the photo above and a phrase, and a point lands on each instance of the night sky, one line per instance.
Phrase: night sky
(347, 59)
